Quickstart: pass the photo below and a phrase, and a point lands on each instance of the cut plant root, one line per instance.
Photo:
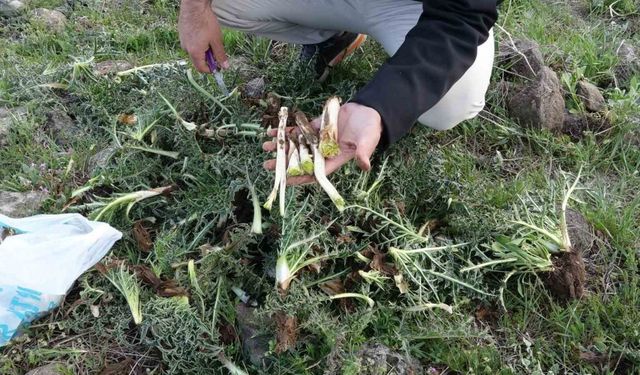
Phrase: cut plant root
(280, 182)
(566, 281)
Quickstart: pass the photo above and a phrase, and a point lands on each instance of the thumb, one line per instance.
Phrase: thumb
(362, 159)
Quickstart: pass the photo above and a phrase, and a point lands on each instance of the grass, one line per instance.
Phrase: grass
(459, 192)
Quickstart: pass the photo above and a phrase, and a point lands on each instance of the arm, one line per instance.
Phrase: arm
(435, 54)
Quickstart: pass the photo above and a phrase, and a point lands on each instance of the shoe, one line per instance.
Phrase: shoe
(331, 52)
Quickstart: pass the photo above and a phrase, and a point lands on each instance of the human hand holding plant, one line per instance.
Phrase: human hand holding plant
(359, 132)
(199, 30)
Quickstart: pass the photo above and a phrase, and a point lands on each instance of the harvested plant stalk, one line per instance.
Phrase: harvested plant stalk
(329, 128)
(280, 182)
(306, 161)
(294, 168)
(318, 160)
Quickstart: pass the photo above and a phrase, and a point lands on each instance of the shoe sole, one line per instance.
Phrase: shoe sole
(351, 48)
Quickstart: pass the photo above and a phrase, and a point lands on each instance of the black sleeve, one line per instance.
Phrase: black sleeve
(435, 54)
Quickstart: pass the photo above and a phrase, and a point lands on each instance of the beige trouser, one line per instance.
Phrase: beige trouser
(387, 21)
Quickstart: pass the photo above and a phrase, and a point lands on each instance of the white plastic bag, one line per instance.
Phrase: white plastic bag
(40, 262)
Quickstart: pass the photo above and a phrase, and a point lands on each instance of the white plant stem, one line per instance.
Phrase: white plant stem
(280, 182)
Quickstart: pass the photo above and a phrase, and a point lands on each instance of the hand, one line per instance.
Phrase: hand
(199, 30)
(359, 131)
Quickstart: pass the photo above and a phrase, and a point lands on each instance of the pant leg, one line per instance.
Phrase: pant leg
(292, 21)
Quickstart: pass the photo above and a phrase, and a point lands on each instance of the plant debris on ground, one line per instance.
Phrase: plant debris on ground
(506, 245)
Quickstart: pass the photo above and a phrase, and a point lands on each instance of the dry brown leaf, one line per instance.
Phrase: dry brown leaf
(332, 287)
(170, 288)
(142, 236)
(286, 332)
(227, 332)
(127, 119)
(147, 275)
(378, 264)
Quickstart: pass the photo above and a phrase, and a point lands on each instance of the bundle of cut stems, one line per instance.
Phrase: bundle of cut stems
(311, 137)
(305, 155)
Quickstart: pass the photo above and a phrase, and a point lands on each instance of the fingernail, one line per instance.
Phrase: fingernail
(225, 64)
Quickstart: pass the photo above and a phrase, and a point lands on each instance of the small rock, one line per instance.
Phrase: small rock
(575, 125)
(255, 88)
(540, 103)
(628, 64)
(61, 128)
(10, 8)
(101, 159)
(254, 344)
(242, 67)
(376, 359)
(54, 20)
(50, 369)
(17, 205)
(7, 118)
(591, 96)
(522, 57)
(111, 67)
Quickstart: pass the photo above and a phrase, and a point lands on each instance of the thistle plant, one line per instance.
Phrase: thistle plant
(127, 285)
(126, 201)
(292, 256)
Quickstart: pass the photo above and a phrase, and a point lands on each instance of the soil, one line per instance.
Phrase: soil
(243, 210)
(286, 332)
(567, 281)
(575, 125)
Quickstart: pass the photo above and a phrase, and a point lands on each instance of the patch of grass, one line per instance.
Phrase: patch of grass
(459, 187)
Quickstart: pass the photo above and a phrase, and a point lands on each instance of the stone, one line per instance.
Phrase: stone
(7, 118)
(521, 58)
(101, 159)
(591, 96)
(50, 369)
(61, 128)
(540, 103)
(54, 20)
(378, 359)
(242, 67)
(17, 205)
(10, 8)
(111, 67)
(628, 64)
(255, 88)
(255, 344)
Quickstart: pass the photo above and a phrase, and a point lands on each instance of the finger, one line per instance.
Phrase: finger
(273, 132)
(199, 62)
(269, 146)
(362, 159)
(316, 123)
(300, 180)
(270, 164)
